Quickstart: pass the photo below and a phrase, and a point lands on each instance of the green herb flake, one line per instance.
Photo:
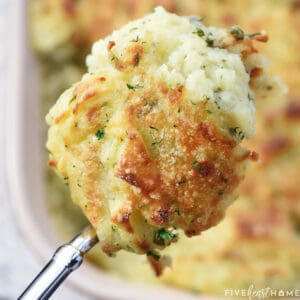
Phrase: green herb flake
(153, 144)
(209, 42)
(135, 40)
(73, 99)
(209, 112)
(182, 181)
(237, 133)
(134, 87)
(100, 133)
(76, 124)
(154, 128)
(177, 211)
(157, 142)
(199, 32)
(250, 35)
(114, 228)
(197, 166)
(208, 38)
(162, 236)
(154, 255)
(237, 32)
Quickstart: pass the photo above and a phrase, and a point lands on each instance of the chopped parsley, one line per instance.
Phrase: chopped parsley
(134, 87)
(153, 144)
(197, 166)
(177, 211)
(73, 99)
(237, 133)
(250, 35)
(182, 181)
(208, 111)
(66, 180)
(113, 228)
(154, 255)
(237, 32)
(100, 133)
(209, 41)
(157, 142)
(199, 32)
(208, 38)
(135, 40)
(162, 236)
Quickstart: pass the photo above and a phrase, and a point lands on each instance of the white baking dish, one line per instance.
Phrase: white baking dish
(24, 144)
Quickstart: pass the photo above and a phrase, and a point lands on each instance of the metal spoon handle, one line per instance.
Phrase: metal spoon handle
(65, 260)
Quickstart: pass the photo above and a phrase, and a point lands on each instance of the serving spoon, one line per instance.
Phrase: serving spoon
(65, 260)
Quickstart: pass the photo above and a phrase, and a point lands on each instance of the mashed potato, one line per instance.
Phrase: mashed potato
(148, 140)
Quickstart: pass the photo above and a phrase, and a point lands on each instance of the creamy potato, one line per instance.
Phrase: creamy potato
(148, 140)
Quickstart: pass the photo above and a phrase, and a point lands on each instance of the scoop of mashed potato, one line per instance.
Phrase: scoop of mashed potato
(148, 140)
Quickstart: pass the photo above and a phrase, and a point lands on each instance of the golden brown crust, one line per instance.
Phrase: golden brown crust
(132, 56)
(177, 168)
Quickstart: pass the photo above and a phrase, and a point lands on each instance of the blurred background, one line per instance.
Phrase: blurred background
(259, 241)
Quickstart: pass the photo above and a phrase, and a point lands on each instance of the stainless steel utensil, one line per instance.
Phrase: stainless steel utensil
(65, 260)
